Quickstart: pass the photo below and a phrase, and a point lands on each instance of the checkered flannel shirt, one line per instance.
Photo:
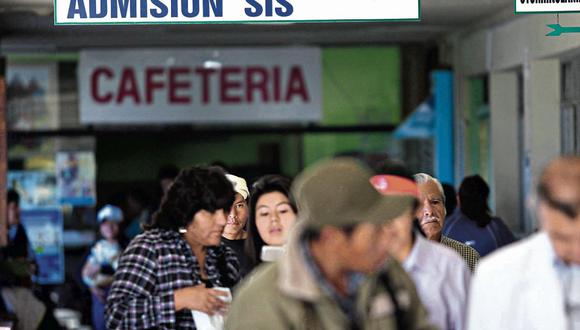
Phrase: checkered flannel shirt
(469, 254)
(153, 266)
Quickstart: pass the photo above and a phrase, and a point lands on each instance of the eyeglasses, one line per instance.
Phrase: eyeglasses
(571, 210)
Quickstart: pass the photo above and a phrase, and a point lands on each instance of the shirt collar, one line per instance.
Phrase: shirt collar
(347, 303)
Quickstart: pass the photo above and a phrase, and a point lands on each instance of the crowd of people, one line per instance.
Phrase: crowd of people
(342, 246)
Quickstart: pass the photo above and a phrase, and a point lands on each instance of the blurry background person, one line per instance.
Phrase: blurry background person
(235, 234)
(272, 215)
(102, 262)
(450, 198)
(18, 245)
(440, 274)
(327, 279)
(137, 214)
(535, 283)
(16, 268)
(472, 223)
(166, 176)
(431, 215)
(169, 270)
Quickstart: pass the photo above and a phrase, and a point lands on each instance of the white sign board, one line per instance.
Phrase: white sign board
(228, 85)
(230, 11)
(546, 6)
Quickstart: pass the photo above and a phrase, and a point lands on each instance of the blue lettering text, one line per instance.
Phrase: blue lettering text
(77, 7)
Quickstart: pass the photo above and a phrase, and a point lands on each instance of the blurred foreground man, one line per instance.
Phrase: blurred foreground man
(431, 214)
(535, 283)
(326, 278)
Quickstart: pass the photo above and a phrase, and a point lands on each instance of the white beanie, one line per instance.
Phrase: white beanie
(239, 184)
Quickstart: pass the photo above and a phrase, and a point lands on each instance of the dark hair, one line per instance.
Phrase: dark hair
(264, 185)
(12, 196)
(194, 189)
(450, 200)
(473, 194)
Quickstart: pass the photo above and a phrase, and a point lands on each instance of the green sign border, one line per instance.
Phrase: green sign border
(248, 22)
(537, 12)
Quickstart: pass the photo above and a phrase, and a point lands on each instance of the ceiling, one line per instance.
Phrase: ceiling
(29, 23)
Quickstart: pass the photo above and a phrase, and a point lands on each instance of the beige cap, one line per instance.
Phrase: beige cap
(339, 193)
(240, 185)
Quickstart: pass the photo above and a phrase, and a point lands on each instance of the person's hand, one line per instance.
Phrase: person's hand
(201, 299)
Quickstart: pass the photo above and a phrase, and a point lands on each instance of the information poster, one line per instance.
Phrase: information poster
(44, 228)
(32, 93)
(76, 172)
(36, 188)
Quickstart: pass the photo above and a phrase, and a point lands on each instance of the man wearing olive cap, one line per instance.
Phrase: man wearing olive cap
(326, 279)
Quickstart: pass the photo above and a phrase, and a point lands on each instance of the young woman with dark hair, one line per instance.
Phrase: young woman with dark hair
(169, 270)
(272, 215)
(472, 222)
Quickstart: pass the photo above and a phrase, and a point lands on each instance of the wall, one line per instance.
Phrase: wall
(361, 86)
(516, 47)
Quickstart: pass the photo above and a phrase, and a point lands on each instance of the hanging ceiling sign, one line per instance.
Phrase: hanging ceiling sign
(230, 11)
(546, 6)
(228, 85)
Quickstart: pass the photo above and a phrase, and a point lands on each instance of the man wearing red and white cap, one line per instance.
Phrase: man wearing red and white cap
(440, 274)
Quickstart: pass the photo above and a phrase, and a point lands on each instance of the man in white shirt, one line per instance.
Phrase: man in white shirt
(440, 274)
(535, 283)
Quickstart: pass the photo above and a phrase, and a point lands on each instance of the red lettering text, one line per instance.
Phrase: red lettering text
(205, 92)
(150, 84)
(228, 86)
(256, 80)
(175, 85)
(95, 91)
(128, 86)
(296, 85)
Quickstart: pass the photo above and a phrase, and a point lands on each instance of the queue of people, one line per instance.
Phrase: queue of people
(340, 247)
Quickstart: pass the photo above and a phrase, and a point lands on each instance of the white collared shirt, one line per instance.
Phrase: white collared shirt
(442, 280)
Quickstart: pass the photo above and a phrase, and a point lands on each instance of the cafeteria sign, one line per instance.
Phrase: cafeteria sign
(230, 11)
(203, 85)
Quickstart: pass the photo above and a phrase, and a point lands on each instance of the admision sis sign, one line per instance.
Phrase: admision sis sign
(229, 85)
(229, 11)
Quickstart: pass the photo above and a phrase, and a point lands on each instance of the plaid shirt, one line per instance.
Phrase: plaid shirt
(155, 264)
(469, 254)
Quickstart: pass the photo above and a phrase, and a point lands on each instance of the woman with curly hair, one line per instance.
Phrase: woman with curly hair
(171, 268)
(272, 215)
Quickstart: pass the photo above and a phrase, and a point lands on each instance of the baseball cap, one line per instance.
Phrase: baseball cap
(339, 193)
(395, 185)
(110, 213)
(240, 185)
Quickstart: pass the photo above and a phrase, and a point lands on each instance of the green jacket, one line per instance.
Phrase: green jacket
(284, 295)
